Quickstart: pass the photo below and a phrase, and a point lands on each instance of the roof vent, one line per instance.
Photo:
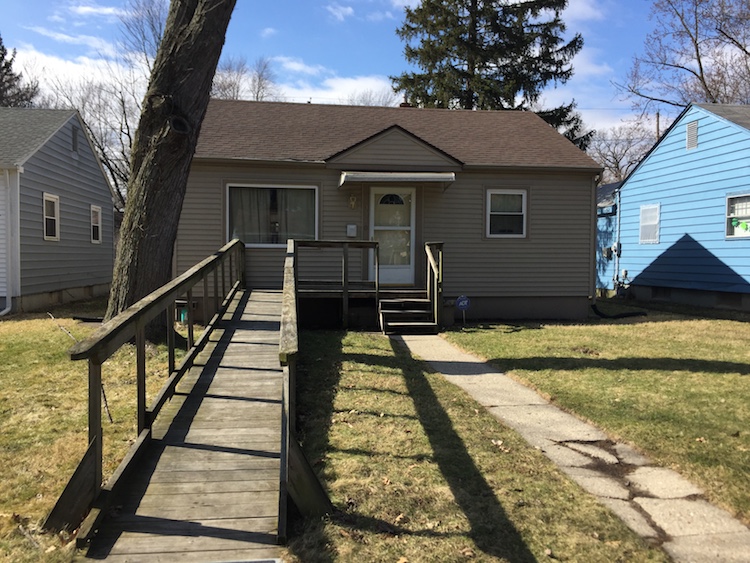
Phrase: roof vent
(691, 141)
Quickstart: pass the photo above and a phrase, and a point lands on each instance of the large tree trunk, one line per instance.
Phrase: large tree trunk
(165, 141)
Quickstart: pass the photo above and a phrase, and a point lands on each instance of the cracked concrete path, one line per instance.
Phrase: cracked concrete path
(656, 503)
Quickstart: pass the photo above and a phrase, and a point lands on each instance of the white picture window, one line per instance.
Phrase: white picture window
(738, 216)
(269, 215)
(96, 224)
(506, 213)
(51, 217)
(649, 230)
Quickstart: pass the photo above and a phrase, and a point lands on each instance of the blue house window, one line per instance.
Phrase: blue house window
(649, 227)
(738, 216)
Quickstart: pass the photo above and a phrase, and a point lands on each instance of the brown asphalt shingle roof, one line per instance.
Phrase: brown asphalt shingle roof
(277, 131)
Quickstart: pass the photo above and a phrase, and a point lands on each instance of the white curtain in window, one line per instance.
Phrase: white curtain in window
(250, 214)
(296, 214)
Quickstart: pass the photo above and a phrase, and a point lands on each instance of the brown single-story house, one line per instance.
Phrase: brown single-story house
(512, 200)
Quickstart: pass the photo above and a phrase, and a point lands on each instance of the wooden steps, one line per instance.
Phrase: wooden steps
(412, 314)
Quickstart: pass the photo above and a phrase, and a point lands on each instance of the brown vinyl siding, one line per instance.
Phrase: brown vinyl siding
(394, 150)
(310, 145)
(203, 227)
(553, 260)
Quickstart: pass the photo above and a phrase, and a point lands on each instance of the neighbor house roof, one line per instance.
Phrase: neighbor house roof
(738, 114)
(276, 131)
(24, 130)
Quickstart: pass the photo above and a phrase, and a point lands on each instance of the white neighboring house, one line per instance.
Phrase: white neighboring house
(56, 212)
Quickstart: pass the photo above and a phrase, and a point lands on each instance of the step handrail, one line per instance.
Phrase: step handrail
(434, 252)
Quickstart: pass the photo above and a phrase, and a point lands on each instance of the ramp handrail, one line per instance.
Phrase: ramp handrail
(85, 490)
(298, 480)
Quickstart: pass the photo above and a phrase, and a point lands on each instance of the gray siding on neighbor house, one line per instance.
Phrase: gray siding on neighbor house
(4, 220)
(554, 260)
(73, 261)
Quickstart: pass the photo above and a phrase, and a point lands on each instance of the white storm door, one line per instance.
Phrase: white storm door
(392, 212)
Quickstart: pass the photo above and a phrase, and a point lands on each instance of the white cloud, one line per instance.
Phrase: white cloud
(583, 10)
(380, 16)
(268, 32)
(298, 66)
(334, 90)
(96, 10)
(588, 64)
(401, 4)
(339, 12)
(96, 45)
(49, 69)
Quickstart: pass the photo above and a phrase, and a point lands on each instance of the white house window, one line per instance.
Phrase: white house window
(649, 230)
(51, 217)
(691, 135)
(738, 216)
(265, 215)
(506, 213)
(96, 224)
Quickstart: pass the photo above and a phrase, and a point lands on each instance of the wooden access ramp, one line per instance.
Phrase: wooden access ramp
(207, 487)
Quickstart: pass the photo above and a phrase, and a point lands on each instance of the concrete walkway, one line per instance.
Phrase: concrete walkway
(656, 503)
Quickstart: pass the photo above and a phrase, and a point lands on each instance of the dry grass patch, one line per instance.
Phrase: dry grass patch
(44, 421)
(419, 471)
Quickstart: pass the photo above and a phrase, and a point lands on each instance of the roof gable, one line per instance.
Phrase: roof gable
(736, 116)
(23, 131)
(398, 149)
(314, 133)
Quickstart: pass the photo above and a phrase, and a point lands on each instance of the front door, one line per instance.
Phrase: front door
(392, 226)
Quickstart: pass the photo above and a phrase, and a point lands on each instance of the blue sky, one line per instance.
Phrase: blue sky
(326, 50)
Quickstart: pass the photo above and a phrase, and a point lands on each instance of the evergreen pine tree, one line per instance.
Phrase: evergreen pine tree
(489, 54)
(13, 92)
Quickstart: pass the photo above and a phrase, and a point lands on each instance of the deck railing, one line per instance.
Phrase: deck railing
(344, 284)
(226, 268)
(434, 252)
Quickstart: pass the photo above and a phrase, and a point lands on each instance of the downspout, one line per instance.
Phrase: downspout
(616, 245)
(8, 277)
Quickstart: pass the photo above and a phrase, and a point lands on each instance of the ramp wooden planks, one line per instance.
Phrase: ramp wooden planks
(208, 487)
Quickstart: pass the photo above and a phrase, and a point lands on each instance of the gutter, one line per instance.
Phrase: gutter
(8, 286)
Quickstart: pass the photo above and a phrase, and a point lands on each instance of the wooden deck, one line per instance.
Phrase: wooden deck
(207, 488)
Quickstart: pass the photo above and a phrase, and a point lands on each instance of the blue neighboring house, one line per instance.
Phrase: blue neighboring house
(606, 230)
(684, 213)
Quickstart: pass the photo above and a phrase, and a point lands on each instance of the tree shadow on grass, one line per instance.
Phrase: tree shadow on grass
(491, 529)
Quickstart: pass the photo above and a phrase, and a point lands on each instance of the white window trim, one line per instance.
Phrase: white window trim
(98, 209)
(276, 187)
(56, 200)
(729, 216)
(487, 214)
(657, 223)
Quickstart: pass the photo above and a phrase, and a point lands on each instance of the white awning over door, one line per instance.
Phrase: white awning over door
(439, 179)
